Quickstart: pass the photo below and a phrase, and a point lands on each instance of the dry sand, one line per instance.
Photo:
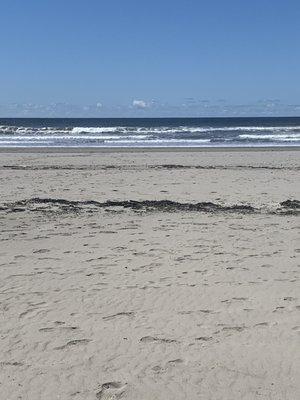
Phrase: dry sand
(151, 301)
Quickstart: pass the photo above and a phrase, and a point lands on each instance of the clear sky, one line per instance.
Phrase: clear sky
(167, 57)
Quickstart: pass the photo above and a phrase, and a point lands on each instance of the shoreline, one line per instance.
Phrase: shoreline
(35, 150)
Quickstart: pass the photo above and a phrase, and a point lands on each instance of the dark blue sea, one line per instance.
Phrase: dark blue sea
(149, 132)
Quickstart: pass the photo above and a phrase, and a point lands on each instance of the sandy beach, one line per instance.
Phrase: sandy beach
(162, 275)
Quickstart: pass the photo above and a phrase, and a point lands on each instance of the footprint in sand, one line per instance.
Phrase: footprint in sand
(296, 328)
(174, 362)
(262, 324)
(204, 338)
(120, 314)
(111, 390)
(148, 339)
(71, 343)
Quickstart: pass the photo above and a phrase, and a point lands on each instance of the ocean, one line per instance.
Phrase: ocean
(149, 132)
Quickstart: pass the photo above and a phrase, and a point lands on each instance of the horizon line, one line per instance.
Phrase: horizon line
(170, 117)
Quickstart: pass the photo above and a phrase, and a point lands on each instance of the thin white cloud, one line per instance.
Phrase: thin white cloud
(139, 104)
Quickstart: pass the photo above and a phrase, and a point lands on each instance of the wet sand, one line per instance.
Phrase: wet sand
(150, 275)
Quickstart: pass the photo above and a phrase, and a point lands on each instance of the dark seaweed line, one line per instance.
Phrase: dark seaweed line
(229, 167)
(129, 167)
(51, 204)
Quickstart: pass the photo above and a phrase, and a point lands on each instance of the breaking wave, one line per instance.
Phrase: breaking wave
(149, 135)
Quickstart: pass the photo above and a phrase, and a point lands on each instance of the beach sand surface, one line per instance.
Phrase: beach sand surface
(149, 301)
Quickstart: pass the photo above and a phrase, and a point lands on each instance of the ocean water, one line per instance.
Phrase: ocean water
(149, 132)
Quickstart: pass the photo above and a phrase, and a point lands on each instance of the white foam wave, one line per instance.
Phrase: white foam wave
(21, 130)
(162, 141)
(70, 137)
(257, 128)
(287, 137)
(79, 129)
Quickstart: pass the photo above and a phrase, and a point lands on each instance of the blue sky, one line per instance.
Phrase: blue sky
(128, 57)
